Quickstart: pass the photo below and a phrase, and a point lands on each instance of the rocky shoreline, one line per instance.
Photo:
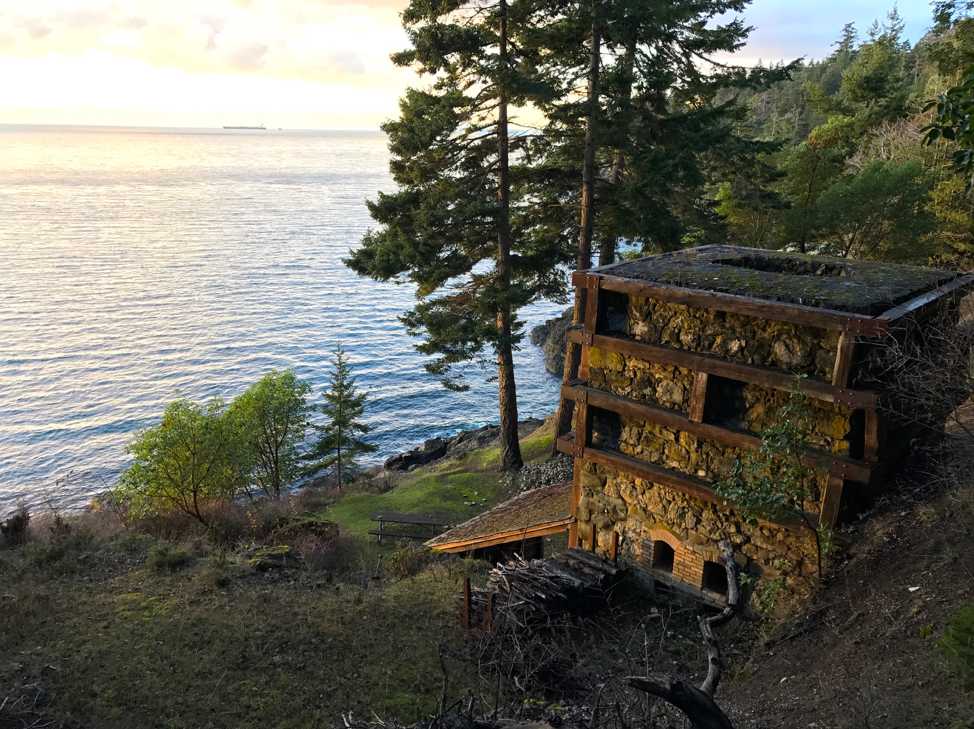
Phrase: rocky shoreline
(462, 443)
(550, 336)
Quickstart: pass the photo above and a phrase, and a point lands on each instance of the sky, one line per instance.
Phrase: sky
(309, 64)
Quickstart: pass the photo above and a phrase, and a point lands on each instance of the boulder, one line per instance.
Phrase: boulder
(550, 336)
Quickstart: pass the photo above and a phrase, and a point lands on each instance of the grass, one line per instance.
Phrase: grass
(125, 645)
(127, 629)
(442, 488)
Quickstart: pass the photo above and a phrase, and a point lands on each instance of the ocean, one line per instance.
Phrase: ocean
(137, 262)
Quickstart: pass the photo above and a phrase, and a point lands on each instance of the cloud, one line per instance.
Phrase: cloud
(82, 18)
(349, 61)
(7, 40)
(248, 57)
(38, 28)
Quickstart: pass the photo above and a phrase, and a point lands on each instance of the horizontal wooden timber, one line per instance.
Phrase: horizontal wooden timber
(928, 298)
(491, 540)
(687, 485)
(847, 468)
(712, 365)
(777, 310)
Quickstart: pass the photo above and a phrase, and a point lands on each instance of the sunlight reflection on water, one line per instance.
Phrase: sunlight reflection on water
(135, 262)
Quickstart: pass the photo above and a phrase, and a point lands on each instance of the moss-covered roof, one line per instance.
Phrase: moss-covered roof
(525, 511)
(859, 287)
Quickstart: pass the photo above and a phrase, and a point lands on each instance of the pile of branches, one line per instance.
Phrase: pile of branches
(526, 594)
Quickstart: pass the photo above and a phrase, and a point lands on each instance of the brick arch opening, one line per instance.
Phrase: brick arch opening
(715, 578)
(663, 556)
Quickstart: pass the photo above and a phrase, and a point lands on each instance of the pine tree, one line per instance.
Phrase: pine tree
(448, 227)
(338, 446)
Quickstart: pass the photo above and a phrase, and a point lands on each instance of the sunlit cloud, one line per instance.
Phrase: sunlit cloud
(299, 62)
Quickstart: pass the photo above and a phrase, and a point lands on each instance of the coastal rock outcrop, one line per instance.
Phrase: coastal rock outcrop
(460, 444)
(550, 336)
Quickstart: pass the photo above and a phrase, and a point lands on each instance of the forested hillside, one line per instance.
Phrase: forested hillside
(851, 174)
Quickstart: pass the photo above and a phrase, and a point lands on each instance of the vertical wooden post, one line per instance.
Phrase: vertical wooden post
(490, 611)
(466, 603)
(615, 547)
(831, 500)
(870, 448)
(698, 397)
(843, 360)
(594, 541)
(576, 497)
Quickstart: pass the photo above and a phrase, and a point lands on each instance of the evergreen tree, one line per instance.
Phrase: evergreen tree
(448, 227)
(338, 446)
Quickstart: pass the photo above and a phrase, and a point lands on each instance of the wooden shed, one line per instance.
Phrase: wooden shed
(686, 356)
(517, 525)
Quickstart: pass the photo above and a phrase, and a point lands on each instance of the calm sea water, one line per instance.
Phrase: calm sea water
(134, 262)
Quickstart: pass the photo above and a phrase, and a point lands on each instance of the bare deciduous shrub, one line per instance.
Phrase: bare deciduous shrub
(410, 559)
(14, 528)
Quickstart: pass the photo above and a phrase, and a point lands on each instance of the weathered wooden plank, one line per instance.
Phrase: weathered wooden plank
(405, 518)
(712, 365)
(843, 360)
(870, 449)
(670, 479)
(576, 496)
(583, 422)
(698, 397)
(848, 468)
(614, 553)
(466, 603)
(928, 298)
(401, 534)
(508, 537)
(831, 501)
(749, 306)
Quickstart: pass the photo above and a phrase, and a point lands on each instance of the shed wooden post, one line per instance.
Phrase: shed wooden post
(698, 397)
(466, 603)
(615, 547)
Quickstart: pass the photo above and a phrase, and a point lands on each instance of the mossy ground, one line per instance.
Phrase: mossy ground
(120, 635)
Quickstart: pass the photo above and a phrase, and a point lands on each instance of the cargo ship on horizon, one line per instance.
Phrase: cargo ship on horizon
(260, 127)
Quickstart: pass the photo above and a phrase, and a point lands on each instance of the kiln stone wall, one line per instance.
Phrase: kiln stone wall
(735, 337)
(646, 514)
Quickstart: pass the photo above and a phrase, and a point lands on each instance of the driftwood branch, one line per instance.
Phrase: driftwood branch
(707, 625)
(698, 703)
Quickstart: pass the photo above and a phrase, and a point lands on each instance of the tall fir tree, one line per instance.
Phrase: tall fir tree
(448, 228)
(338, 445)
(645, 136)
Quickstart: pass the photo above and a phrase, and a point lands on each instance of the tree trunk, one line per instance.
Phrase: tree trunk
(698, 703)
(507, 393)
(607, 249)
(573, 355)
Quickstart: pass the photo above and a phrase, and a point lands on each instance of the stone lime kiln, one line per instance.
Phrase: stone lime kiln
(686, 356)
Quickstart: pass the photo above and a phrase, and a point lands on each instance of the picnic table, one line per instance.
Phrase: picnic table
(411, 526)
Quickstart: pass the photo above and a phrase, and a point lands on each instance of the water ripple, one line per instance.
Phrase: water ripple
(137, 262)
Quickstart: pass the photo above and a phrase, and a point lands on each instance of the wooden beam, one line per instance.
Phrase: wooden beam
(712, 365)
(919, 302)
(593, 539)
(843, 360)
(698, 397)
(831, 501)
(508, 537)
(870, 448)
(848, 468)
(747, 305)
(688, 485)
(466, 603)
(614, 554)
(576, 494)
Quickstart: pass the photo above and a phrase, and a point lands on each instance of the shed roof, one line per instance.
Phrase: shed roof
(543, 510)
(858, 287)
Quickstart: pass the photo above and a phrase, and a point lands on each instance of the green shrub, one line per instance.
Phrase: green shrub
(135, 541)
(164, 557)
(957, 645)
(408, 560)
